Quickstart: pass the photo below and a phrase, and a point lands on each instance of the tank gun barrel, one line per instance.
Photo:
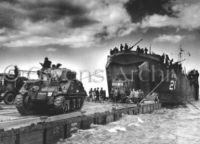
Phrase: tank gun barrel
(136, 44)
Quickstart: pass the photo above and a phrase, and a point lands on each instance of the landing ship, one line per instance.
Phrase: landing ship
(151, 73)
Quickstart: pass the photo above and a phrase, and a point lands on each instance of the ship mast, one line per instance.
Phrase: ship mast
(180, 54)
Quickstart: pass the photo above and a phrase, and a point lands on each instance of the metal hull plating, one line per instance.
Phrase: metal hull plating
(148, 73)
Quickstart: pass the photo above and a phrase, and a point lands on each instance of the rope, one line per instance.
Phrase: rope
(194, 105)
(153, 89)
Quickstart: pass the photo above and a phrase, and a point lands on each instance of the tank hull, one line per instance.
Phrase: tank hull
(47, 106)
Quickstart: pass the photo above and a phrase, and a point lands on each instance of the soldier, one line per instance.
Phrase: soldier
(121, 48)
(175, 65)
(131, 96)
(58, 65)
(171, 62)
(142, 50)
(90, 94)
(126, 47)
(102, 94)
(94, 95)
(115, 50)
(53, 66)
(138, 49)
(1, 83)
(156, 99)
(163, 58)
(16, 72)
(167, 60)
(46, 64)
(116, 94)
(111, 52)
(146, 51)
(97, 94)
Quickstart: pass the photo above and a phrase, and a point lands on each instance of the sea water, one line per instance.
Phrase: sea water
(180, 125)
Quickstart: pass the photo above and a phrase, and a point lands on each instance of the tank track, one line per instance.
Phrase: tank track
(21, 106)
(60, 105)
(68, 105)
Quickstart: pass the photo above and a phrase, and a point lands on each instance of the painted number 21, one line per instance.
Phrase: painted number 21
(172, 85)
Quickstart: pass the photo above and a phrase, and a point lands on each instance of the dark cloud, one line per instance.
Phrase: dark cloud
(139, 9)
(53, 10)
(104, 34)
(81, 22)
(43, 10)
(7, 18)
(6, 22)
(9, 1)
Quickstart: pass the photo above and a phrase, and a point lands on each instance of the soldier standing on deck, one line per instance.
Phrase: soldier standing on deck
(97, 94)
(126, 47)
(121, 48)
(138, 49)
(142, 51)
(115, 50)
(146, 51)
(167, 60)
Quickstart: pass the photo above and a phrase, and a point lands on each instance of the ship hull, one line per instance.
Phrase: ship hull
(148, 73)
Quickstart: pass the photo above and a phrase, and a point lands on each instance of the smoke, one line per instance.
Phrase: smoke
(139, 9)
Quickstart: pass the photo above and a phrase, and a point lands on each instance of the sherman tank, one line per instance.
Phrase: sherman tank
(139, 70)
(57, 91)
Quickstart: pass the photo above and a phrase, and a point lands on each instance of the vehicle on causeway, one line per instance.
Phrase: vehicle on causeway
(10, 84)
(57, 91)
(150, 73)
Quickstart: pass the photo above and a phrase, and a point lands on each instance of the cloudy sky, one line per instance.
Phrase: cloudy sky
(79, 33)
